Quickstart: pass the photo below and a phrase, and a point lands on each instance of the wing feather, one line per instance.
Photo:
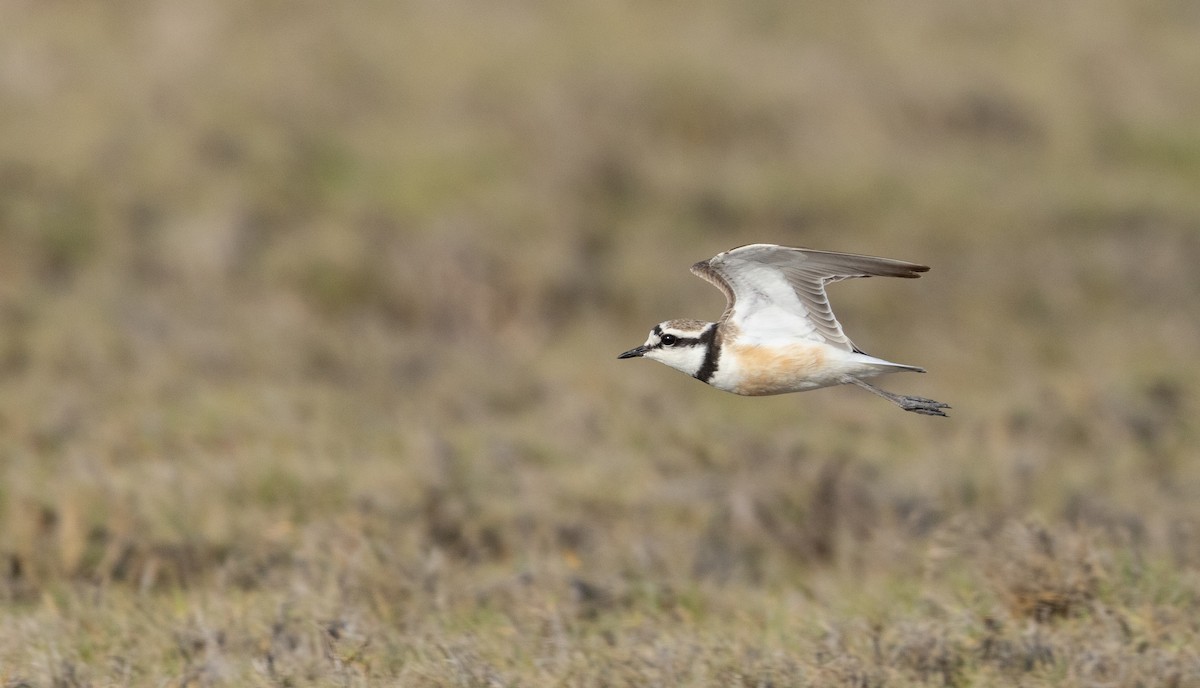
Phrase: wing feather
(776, 289)
(705, 271)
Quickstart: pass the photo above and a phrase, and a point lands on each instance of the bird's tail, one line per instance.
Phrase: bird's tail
(882, 366)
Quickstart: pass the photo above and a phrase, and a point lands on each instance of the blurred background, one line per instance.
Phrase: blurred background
(309, 315)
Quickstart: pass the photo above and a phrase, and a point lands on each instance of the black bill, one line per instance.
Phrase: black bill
(635, 353)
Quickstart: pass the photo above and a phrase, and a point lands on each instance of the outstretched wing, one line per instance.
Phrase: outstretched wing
(779, 292)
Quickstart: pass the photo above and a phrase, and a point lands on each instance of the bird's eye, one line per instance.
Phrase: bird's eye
(668, 340)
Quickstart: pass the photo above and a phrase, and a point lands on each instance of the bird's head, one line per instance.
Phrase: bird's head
(681, 344)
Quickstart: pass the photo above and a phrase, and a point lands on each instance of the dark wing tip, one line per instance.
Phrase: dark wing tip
(886, 267)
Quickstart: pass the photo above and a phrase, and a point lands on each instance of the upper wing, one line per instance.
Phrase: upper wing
(779, 291)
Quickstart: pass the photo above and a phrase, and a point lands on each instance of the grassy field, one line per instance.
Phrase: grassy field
(309, 315)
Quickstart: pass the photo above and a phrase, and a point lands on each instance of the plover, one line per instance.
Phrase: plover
(778, 333)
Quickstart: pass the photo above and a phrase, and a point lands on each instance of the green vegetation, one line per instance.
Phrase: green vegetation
(309, 315)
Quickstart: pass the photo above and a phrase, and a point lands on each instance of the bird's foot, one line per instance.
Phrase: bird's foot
(921, 405)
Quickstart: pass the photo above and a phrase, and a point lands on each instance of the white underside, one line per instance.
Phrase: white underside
(836, 367)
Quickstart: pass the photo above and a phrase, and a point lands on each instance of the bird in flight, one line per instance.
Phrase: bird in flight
(778, 333)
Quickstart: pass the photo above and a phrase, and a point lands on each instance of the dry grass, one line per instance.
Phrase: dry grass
(309, 315)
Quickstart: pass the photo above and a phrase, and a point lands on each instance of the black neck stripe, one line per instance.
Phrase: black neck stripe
(709, 367)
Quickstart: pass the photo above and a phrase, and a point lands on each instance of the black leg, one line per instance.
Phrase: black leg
(927, 407)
